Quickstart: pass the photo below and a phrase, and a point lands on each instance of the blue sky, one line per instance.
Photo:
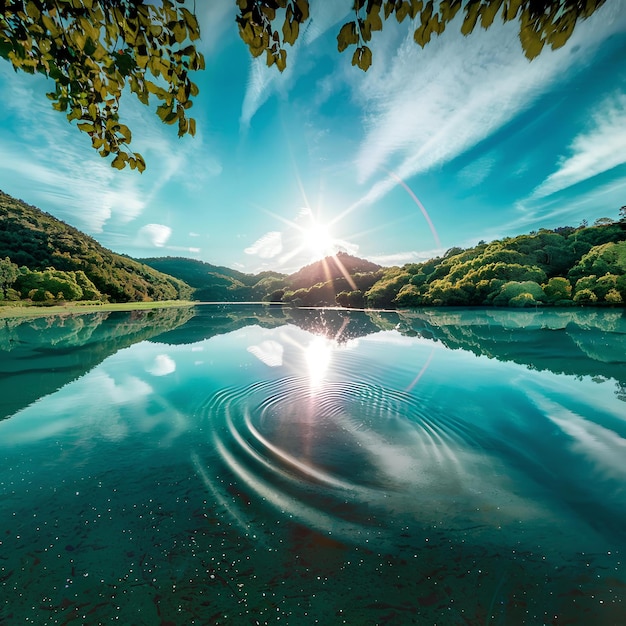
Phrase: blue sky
(461, 141)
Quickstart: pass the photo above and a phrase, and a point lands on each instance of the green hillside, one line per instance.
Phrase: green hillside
(58, 261)
(215, 283)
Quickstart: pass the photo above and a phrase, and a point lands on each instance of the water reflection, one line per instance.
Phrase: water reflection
(249, 464)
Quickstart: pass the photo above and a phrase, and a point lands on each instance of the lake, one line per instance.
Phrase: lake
(252, 465)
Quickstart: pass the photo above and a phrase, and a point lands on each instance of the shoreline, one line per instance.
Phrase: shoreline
(12, 311)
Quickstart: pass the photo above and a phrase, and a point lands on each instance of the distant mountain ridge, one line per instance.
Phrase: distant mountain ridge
(37, 240)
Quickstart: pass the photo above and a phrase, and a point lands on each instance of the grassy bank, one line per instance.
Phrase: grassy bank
(73, 308)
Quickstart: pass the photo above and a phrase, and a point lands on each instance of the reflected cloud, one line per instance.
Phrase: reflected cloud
(604, 448)
(269, 352)
(162, 366)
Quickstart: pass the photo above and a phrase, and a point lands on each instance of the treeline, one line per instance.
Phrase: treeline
(562, 267)
(54, 258)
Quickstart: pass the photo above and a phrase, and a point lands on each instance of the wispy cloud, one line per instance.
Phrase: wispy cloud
(263, 81)
(59, 172)
(268, 246)
(426, 107)
(552, 212)
(598, 150)
(401, 258)
(477, 171)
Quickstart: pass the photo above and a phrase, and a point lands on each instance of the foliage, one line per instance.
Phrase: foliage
(37, 241)
(602, 259)
(94, 50)
(351, 299)
(557, 289)
(526, 293)
(268, 26)
(8, 274)
(585, 296)
(61, 285)
(382, 294)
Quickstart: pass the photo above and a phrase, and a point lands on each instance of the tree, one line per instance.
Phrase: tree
(542, 22)
(94, 49)
(8, 274)
(557, 288)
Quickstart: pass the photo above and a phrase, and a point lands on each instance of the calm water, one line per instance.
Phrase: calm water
(241, 465)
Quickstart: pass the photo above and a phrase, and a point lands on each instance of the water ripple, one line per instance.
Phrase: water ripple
(340, 458)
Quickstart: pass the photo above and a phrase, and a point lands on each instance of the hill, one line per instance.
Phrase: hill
(330, 268)
(317, 283)
(36, 241)
(560, 267)
(216, 283)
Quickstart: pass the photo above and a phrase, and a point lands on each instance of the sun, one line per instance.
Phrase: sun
(318, 239)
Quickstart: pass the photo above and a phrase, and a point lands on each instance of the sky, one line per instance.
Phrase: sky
(462, 141)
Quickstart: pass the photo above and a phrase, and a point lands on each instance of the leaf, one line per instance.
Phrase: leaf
(402, 11)
(471, 16)
(347, 36)
(86, 127)
(374, 22)
(141, 164)
(362, 57)
(119, 162)
(488, 13)
(281, 61)
(303, 7)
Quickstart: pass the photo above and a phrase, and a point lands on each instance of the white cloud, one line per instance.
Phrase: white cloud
(153, 235)
(56, 168)
(49, 156)
(477, 171)
(598, 150)
(268, 246)
(553, 212)
(401, 258)
(215, 18)
(426, 107)
(265, 81)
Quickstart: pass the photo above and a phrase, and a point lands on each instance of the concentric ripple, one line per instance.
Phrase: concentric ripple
(345, 458)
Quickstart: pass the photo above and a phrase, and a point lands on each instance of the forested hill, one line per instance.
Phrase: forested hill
(83, 269)
(561, 267)
(215, 283)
